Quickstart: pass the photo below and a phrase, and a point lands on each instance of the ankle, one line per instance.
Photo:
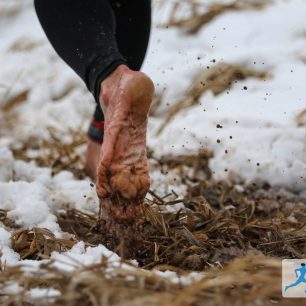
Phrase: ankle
(92, 158)
(110, 83)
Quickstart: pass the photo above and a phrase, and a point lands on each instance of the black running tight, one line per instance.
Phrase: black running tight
(94, 37)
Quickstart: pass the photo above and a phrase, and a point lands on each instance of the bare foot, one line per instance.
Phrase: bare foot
(123, 179)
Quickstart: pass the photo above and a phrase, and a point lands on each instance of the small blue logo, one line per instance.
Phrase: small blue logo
(294, 278)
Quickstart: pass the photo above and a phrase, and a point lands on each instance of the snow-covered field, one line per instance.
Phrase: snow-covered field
(260, 139)
(262, 120)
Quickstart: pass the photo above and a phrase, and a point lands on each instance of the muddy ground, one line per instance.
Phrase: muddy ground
(236, 234)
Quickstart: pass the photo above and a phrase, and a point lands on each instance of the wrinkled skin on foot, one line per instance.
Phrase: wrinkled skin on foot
(122, 178)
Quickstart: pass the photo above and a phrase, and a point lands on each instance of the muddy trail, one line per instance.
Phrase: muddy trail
(235, 235)
(224, 242)
(215, 223)
(218, 224)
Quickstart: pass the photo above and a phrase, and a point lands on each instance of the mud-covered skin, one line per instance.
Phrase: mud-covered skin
(122, 177)
(92, 158)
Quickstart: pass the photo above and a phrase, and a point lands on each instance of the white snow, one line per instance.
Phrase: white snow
(8, 255)
(260, 130)
(271, 40)
(37, 293)
(6, 164)
(33, 197)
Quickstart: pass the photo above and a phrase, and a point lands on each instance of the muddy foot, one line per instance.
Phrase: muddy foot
(123, 179)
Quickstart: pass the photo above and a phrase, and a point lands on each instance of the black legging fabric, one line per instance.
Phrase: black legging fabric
(95, 36)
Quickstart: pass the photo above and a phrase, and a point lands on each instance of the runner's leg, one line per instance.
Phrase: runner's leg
(84, 35)
(94, 38)
(294, 284)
